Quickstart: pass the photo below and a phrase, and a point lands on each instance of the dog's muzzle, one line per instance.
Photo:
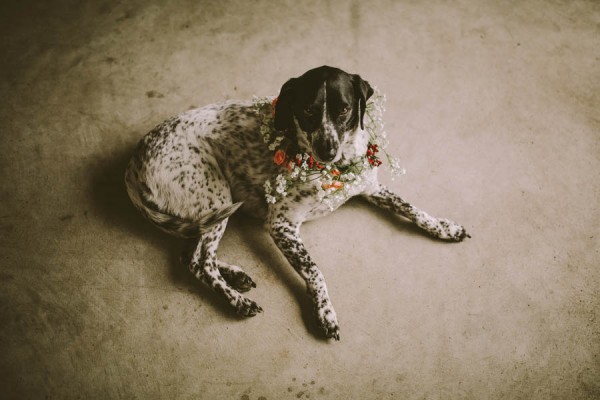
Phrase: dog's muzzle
(325, 144)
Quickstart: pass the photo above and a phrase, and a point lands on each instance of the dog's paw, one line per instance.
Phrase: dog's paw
(327, 321)
(238, 280)
(247, 308)
(446, 229)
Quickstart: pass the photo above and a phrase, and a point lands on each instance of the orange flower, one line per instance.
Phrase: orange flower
(334, 184)
(335, 172)
(279, 157)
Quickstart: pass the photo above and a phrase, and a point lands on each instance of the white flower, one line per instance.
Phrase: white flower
(278, 140)
(281, 185)
(270, 199)
(320, 193)
(294, 173)
(267, 186)
(395, 167)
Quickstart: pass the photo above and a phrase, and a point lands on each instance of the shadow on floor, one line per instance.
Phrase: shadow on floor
(112, 206)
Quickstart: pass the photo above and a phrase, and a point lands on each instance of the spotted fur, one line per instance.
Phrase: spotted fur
(438, 227)
(190, 173)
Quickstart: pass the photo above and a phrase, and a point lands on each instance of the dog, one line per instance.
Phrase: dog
(282, 163)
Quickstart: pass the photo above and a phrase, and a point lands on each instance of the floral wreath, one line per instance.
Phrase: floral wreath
(335, 179)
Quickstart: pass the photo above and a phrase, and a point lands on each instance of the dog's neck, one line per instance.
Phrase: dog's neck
(354, 145)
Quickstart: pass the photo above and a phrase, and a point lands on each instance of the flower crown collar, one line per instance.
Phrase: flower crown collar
(335, 178)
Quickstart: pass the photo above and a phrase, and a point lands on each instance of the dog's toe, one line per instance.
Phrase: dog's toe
(460, 234)
(238, 279)
(243, 282)
(449, 230)
(333, 334)
(328, 324)
(247, 308)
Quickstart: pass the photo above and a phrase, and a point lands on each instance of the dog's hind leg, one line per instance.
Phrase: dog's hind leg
(205, 266)
(438, 227)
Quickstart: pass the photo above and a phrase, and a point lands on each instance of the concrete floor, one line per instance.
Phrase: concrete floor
(493, 108)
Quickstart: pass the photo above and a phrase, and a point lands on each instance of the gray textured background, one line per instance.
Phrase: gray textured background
(493, 109)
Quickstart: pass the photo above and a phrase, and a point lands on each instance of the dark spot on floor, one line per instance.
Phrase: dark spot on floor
(154, 94)
(66, 217)
(127, 15)
(6, 277)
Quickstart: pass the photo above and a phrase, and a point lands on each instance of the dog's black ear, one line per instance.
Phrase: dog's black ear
(284, 115)
(363, 91)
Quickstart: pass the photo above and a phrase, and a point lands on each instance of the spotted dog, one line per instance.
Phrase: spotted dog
(190, 173)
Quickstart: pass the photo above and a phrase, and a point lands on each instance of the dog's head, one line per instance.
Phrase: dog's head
(323, 110)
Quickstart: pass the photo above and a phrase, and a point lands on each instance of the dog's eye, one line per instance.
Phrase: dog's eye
(309, 111)
(345, 110)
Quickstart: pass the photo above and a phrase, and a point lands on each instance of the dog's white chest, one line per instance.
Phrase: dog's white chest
(324, 203)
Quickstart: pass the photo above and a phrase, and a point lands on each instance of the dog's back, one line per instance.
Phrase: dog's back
(176, 176)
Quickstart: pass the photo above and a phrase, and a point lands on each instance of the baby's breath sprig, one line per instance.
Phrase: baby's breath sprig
(377, 134)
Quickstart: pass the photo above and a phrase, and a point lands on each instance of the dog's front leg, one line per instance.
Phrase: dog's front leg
(285, 233)
(438, 227)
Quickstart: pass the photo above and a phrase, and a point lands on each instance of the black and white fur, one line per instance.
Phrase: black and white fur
(190, 173)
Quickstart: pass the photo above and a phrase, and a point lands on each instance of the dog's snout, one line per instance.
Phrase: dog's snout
(330, 153)
(326, 149)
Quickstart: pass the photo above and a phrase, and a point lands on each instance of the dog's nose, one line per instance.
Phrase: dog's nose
(330, 154)
(326, 152)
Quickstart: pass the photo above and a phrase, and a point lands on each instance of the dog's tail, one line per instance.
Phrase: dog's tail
(172, 224)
